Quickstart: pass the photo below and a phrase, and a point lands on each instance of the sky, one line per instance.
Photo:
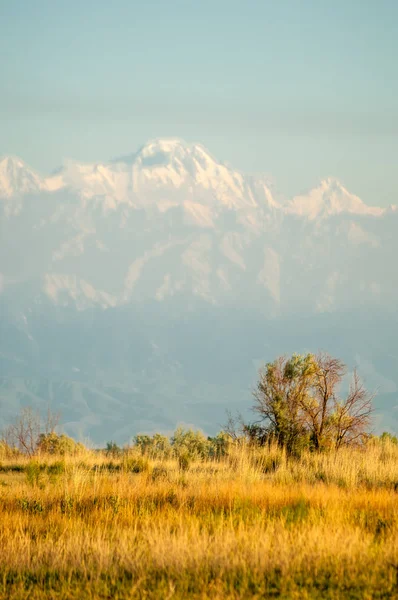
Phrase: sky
(299, 90)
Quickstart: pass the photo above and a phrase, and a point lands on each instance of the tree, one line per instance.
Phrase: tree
(24, 434)
(351, 417)
(281, 393)
(318, 404)
(298, 403)
(235, 427)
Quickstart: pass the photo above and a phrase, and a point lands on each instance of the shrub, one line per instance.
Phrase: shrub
(112, 449)
(219, 445)
(191, 443)
(53, 443)
(157, 445)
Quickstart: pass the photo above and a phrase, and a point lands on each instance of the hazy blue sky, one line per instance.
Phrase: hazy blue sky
(297, 89)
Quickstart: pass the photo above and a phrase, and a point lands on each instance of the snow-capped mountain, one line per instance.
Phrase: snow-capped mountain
(169, 173)
(148, 177)
(328, 199)
(112, 274)
(17, 179)
(171, 220)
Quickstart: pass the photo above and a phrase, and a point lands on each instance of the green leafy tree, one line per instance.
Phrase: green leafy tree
(299, 405)
(282, 391)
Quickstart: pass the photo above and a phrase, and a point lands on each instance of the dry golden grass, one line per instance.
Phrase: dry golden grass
(253, 525)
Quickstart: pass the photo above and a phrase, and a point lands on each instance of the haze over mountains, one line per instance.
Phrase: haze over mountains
(145, 291)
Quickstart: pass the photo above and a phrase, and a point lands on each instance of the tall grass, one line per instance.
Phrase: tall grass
(254, 524)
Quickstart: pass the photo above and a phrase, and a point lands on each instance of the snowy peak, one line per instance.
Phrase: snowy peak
(164, 173)
(165, 150)
(166, 146)
(167, 173)
(191, 170)
(16, 178)
(330, 198)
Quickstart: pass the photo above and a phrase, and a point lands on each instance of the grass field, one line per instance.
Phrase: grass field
(251, 525)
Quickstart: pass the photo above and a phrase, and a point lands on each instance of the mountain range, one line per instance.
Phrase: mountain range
(145, 291)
